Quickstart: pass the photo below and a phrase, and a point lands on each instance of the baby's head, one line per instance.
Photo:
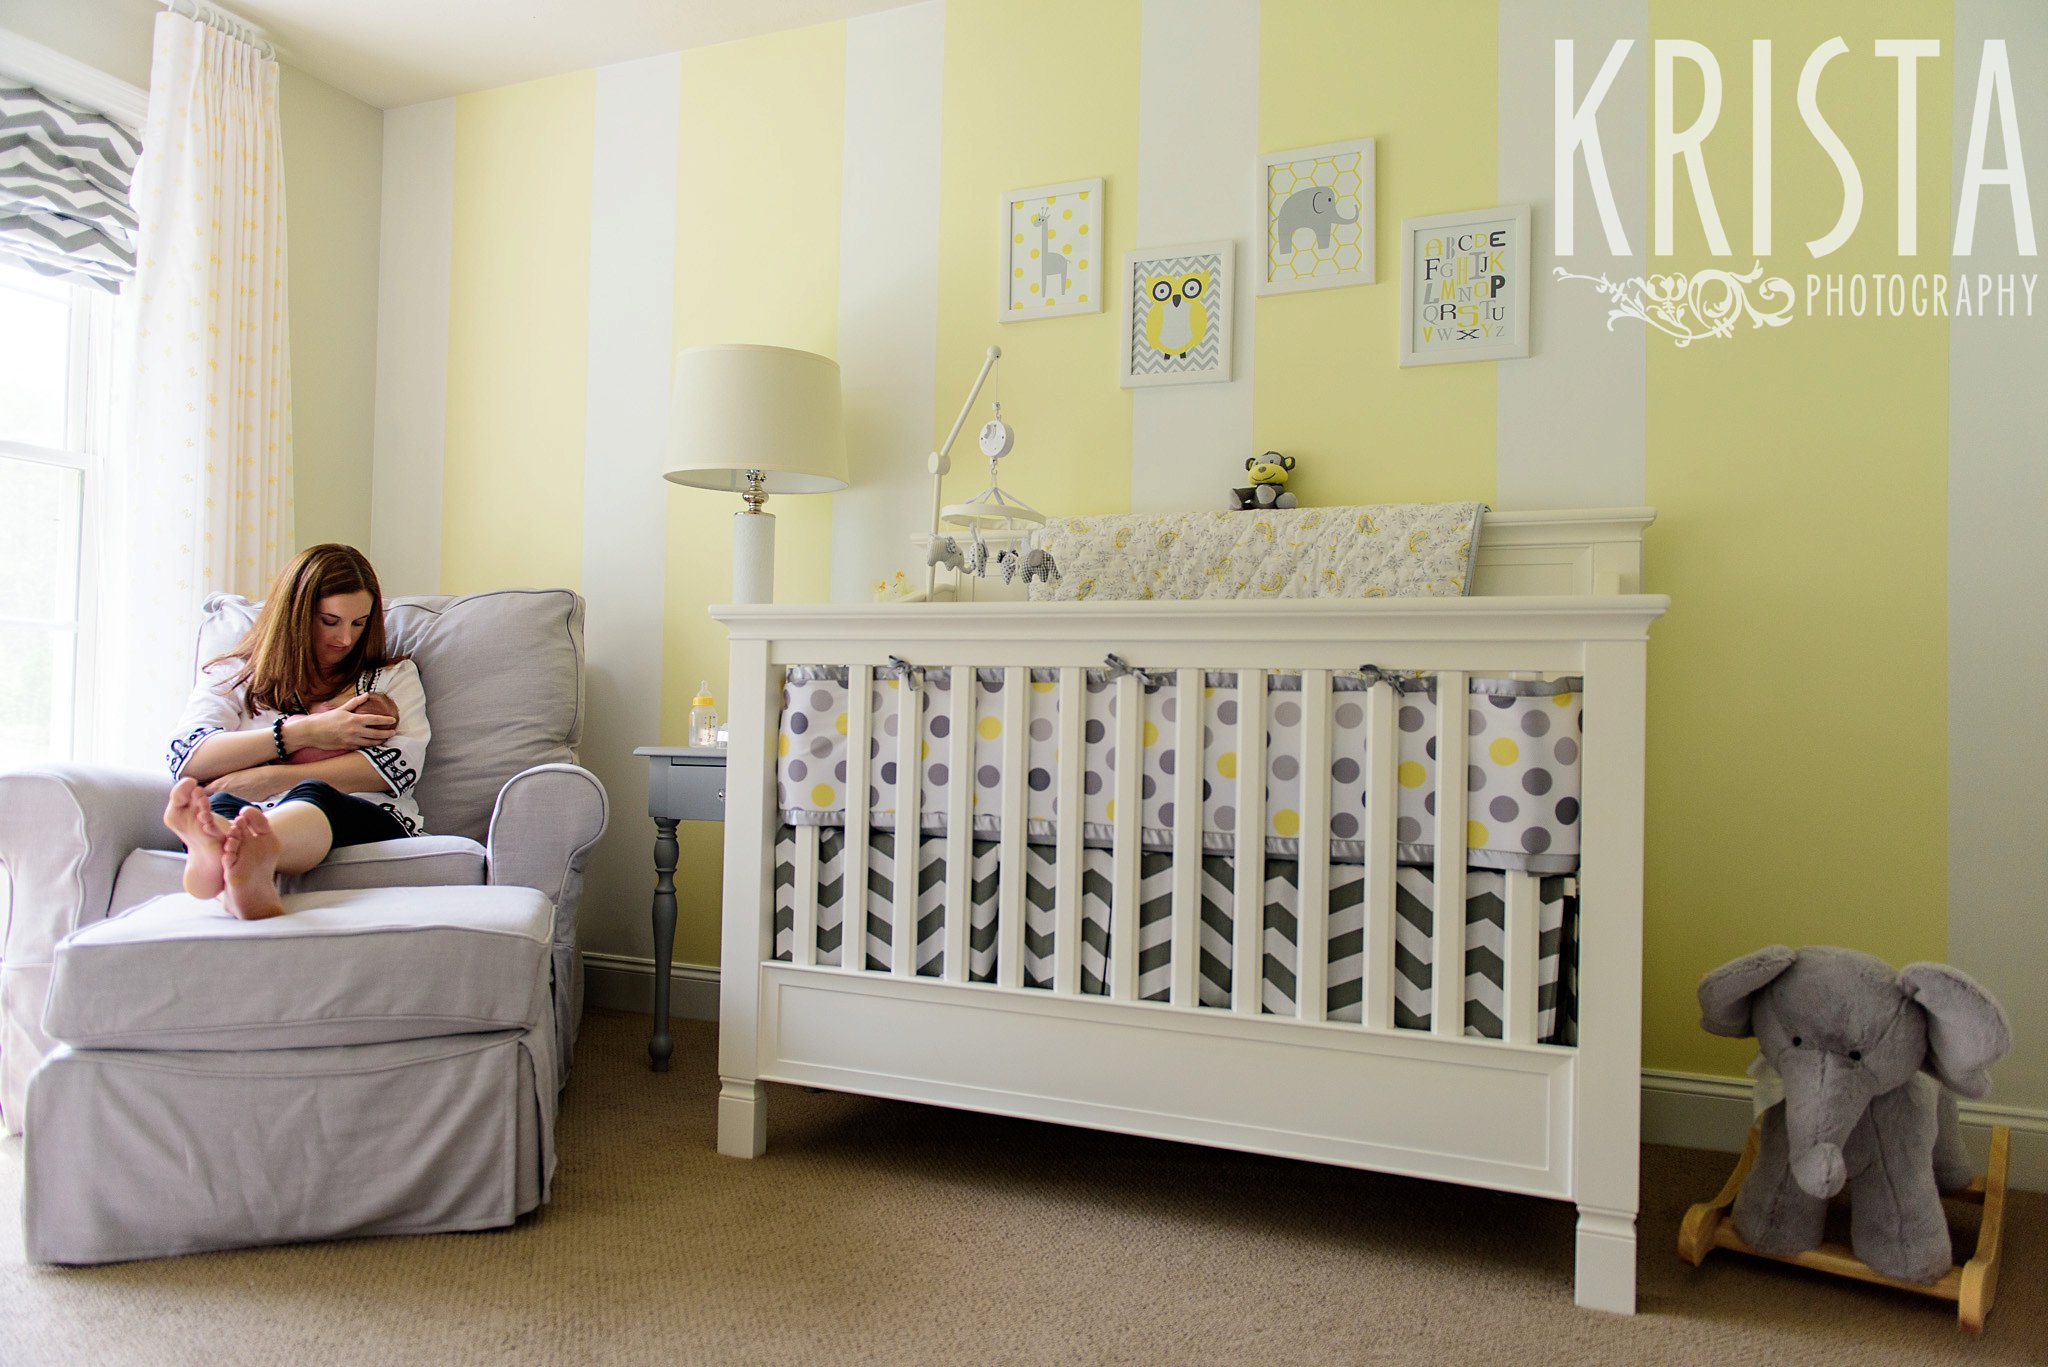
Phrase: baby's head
(378, 705)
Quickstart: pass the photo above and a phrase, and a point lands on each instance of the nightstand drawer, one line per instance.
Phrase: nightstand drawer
(687, 790)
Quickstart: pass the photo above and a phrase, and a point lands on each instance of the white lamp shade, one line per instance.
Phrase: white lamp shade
(738, 408)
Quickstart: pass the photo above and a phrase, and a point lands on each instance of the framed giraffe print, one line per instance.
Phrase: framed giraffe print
(1178, 303)
(1052, 252)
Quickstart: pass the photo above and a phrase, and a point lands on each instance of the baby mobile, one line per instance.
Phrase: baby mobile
(990, 510)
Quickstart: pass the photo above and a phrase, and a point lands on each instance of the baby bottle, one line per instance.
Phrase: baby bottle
(703, 718)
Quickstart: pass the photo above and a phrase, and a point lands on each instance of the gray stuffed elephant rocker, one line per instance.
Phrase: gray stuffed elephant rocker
(1851, 1039)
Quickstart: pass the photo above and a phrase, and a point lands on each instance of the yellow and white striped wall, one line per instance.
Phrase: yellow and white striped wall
(1842, 747)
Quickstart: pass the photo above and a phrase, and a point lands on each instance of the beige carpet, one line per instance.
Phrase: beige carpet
(887, 1233)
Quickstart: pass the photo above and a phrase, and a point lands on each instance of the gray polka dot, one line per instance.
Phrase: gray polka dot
(1168, 709)
(874, 748)
(1040, 780)
(890, 724)
(782, 795)
(1475, 778)
(1166, 762)
(1226, 818)
(1504, 808)
(1535, 840)
(798, 770)
(1226, 712)
(1567, 751)
(1429, 803)
(798, 723)
(942, 726)
(1041, 729)
(1150, 786)
(1500, 700)
(1287, 713)
(1567, 810)
(1344, 826)
(1113, 699)
(1411, 719)
(938, 773)
(821, 700)
(988, 776)
(1207, 791)
(1535, 723)
(994, 685)
(839, 771)
(1091, 783)
(1094, 731)
(1096, 683)
(1429, 747)
(1285, 767)
(874, 797)
(1408, 830)
(1166, 813)
(889, 772)
(1475, 721)
(1345, 771)
(1350, 714)
(1208, 737)
(820, 747)
(1536, 782)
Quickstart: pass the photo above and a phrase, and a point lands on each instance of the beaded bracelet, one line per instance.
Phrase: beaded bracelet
(277, 735)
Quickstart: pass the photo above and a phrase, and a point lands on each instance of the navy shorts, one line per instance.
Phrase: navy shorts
(354, 820)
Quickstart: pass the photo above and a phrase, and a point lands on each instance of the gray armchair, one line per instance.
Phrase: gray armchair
(507, 808)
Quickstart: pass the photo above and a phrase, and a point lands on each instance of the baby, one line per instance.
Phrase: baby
(372, 705)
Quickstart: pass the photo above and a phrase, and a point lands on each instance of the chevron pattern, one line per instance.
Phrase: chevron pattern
(1204, 358)
(1414, 922)
(64, 177)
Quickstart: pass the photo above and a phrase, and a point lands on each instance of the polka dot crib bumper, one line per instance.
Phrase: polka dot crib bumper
(1522, 778)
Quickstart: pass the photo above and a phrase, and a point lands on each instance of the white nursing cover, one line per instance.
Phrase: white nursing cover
(1388, 550)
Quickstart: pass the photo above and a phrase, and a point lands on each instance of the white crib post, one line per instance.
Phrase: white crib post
(1312, 902)
(1010, 865)
(1608, 1076)
(1188, 713)
(1447, 948)
(1127, 847)
(853, 897)
(959, 821)
(909, 822)
(1248, 920)
(1382, 815)
(1066, 973)
(748, 914)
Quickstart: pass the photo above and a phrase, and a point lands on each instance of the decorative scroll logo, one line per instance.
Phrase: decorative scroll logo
(1692, 308)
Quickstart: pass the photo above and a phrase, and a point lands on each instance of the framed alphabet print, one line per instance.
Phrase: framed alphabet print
(1465, 286)
(1316, 230)
(1052, 257)
(1177, 314)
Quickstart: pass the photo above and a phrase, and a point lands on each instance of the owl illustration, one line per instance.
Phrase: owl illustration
(1178, 320)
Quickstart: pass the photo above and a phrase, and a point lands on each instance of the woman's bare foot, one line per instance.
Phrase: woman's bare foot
(249, 862)
(193, 822)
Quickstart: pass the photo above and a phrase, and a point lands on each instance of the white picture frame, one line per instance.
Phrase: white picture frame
(1203, 270)
(1344, 249)
(1499, 307)
(1070, 234)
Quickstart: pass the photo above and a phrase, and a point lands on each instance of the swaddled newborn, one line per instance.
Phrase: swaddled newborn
(372, 704)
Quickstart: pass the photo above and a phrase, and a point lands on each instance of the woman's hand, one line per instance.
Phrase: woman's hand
(341, 728)
(260, 784)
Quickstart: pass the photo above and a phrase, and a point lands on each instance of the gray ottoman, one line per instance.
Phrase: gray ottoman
(376, 1061)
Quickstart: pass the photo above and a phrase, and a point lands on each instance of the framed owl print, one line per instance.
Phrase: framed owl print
(1052, 257)
(1178, 314)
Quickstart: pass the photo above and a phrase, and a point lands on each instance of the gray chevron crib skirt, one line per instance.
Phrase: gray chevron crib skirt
(1522, 771)
(1414, 919)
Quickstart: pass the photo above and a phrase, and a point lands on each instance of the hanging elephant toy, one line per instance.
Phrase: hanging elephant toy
(1033, 564)
(1850, 1038)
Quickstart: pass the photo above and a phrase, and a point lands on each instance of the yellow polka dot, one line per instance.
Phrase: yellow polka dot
(1504, 751)
(782, 746)
(1066, 213)
(924, 750)
(1083, 230)
(1044, 686)
(840, 722)
(1084, 298)
(1226, 764)
(1019, 272)
(1151, 733)
(1286, 823)
(1475, 835)
(1112, 809)
(1018, 305)
(1563, 700)
(1034, 289)
(1019, 237)
(990, 728)
(1067, 248)
(1084, 263)
(1034, 253)
(821, 796)
(1411, 773)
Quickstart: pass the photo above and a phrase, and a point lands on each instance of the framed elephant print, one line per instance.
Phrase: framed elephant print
(1052, 252)
(1465, 286)
(1178, 303)
(1318, 208)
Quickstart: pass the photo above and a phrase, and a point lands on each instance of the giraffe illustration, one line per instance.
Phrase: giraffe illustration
(1050, 262)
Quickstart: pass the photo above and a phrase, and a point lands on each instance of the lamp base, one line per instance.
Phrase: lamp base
(753, 557)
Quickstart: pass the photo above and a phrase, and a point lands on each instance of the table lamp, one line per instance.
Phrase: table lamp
(755, 420)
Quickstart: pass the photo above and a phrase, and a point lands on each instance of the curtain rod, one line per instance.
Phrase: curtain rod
(233, 25)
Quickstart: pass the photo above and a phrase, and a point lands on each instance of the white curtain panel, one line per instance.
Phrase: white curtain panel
(205, 497)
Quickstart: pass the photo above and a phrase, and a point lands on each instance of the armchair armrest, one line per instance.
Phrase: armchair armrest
(63, 834)
(547, 821)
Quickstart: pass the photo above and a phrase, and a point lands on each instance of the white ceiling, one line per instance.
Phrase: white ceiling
(389, 53)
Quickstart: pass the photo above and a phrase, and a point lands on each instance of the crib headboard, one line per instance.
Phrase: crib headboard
(1566, 551)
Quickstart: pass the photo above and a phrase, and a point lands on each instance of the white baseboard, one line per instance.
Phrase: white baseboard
(1689, 1110)
(1698, 1111)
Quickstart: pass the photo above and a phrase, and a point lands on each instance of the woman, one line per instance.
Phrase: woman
(299, 680)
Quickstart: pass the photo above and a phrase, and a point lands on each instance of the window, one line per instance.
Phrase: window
(55, 370)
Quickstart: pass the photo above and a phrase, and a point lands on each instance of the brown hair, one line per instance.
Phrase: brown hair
(280, 670)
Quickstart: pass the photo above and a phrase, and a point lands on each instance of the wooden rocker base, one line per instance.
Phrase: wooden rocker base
(1971, 1285)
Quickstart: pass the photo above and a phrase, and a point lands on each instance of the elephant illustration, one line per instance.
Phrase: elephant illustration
(1314, 208)
(1850, 1039)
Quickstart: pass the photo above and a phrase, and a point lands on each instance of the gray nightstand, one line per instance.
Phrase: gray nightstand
(683, 784)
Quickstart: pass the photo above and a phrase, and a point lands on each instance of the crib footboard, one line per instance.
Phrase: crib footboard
(1111, 981)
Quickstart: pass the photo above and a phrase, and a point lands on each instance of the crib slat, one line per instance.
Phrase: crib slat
(1447, 977)
(959, 821)
(1010, 868)
(1382, 813)
(803, 931)
(1123, 915)
(853, 923)
(909, 822)
(1189, 709)
(1066, 977)
(1312, 900)
(1521, 943)
(1248, 921)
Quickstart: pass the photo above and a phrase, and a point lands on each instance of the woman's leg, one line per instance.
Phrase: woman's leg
(193, 820)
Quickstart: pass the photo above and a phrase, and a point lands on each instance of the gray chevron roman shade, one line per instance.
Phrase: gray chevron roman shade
(64, 174)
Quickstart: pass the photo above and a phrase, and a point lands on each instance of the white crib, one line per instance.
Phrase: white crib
(1557, 595)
